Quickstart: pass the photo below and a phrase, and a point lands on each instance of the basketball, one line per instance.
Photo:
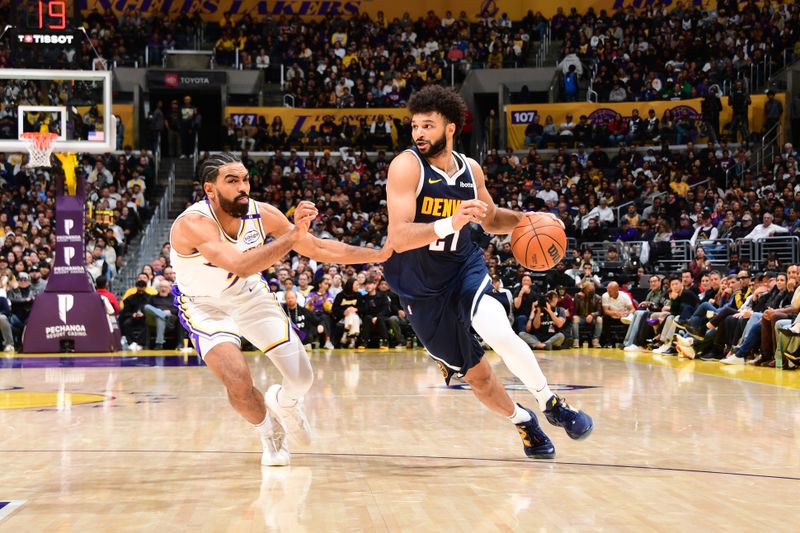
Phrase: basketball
(538, 241)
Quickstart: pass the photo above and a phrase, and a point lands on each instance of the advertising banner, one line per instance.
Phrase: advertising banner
(518, 116)
(299, 119)
(213, 10)
(69, 315)
(188, 80)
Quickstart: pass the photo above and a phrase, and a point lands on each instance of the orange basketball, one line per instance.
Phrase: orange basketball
(538, 241)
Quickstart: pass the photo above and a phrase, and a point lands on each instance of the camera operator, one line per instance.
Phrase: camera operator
(545, 322)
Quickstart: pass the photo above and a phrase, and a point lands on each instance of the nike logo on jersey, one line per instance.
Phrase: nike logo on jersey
(434, 181)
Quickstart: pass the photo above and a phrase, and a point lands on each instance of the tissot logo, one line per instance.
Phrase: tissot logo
(39, 38)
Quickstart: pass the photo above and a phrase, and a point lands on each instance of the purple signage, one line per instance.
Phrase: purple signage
(69, 315)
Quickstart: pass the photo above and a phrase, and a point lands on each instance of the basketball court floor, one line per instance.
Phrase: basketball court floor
(149, 443)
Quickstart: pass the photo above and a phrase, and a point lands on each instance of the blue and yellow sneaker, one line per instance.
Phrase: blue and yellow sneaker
(577, 424)
(536, 444)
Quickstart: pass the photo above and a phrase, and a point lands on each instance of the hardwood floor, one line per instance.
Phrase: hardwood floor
(149, 443)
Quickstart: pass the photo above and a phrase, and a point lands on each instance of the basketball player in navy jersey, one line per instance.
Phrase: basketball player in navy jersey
(433, 192)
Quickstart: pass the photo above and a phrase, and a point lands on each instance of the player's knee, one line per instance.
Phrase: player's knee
(239, 388)
(479, 378)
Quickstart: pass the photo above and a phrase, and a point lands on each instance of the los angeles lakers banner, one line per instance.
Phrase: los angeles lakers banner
(518, 116)
(298, 119)
(213, 10)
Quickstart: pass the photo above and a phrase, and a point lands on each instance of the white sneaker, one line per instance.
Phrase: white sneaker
(686, 351)
(632, 348)
(276, 451)
(732, 360)
(292, 419)
(134, 347)
(9, 348)
(663, 349)
(627, 319)
(684, 341)
(328, 345)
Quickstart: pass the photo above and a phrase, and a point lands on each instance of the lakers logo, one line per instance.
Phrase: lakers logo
(442, 369)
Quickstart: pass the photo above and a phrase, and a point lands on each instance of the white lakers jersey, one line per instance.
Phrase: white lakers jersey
(196, 275)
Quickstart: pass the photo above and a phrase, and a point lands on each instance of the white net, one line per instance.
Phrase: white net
(40, 148)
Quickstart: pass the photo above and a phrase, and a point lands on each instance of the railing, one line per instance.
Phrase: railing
(157, 154)
(195, 154)
(747, 249)
(718, 251)
(590, 89)
(680, 254)
(771, 142)
(544, 47)
(133, 265)
(785, 248)
(572, 244)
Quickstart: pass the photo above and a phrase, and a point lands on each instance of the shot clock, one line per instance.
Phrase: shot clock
(45, 34)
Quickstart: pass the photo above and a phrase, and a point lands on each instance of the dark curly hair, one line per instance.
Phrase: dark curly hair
(444, 101)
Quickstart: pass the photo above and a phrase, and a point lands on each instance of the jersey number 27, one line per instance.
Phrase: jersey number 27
(441, 244)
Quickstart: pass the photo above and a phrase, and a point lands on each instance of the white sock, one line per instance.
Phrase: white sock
(265, 427)
(520, 415)
(491, 323)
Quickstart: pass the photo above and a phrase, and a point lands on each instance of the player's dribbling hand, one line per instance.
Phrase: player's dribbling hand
(303, 215)
(551, 215)
(469, 211)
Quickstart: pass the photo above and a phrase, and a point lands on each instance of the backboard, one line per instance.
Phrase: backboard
(75, 104)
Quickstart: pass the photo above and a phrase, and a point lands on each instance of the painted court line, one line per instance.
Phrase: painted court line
(438, 458)
(8, 507)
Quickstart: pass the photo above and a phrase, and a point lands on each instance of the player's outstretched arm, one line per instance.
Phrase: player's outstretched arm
(325, 250)
(401, 197)
(196, 233)
(498, 220)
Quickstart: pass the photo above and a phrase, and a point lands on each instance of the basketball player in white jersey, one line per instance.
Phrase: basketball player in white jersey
(219, 249)
(441, 278)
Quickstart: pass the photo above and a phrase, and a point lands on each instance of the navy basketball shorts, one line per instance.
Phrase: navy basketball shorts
(443, 324)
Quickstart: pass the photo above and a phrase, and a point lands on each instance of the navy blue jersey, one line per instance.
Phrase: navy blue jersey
(434, 269)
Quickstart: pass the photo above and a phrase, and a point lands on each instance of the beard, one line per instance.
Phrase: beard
(435, 147)
(233, 207)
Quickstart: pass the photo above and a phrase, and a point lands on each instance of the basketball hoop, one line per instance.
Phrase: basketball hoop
(40, 147)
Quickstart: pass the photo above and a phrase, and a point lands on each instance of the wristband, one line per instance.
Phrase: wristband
(444, 227)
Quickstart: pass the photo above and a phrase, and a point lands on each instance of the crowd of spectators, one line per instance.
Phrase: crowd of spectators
(648, 128)
(380, 133)
(675, 52)
(690, 199)
(115, 208)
